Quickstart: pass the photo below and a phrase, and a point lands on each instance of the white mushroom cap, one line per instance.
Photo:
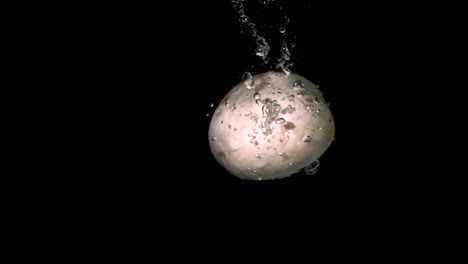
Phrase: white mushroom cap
(272, 130)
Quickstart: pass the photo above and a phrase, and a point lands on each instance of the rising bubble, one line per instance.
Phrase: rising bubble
(312, 168)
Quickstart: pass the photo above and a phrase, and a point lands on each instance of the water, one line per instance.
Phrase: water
(262, 48)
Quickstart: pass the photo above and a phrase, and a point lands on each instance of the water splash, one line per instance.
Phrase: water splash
(262, 48)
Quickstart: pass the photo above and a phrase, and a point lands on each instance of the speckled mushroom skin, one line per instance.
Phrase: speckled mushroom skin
(272, 130)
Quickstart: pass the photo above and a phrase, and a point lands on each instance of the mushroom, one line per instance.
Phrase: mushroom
(271, 126)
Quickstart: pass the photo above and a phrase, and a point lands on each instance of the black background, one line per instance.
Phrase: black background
(153, 70)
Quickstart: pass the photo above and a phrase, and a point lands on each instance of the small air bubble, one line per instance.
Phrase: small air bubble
(298, 84)
(257, 156)
(282, 30)
(293, 45)
(320, 128)
(280, 121)
(258, 101)
(291, 97)
(248, 80)
(229, 126)
(207, 115)
(312, 168)
(222, 122)
(260, 52)
(214, 138)
(245, 19)
(249, 135)
(308, 139)
(211, 105)
(256, 96)
(290, 164)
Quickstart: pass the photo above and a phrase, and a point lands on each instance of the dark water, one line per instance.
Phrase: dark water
(154, 70)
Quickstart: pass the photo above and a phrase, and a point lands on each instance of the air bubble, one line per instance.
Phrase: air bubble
(312, 168)
(285, 54)
(258, 101)
(211, 105)
(308, 139)
(280, 121)
(282, 30)
(298, 84)
(260, 52)
(214, 138)
(222, 122)
(248, 80)
(256, 96)
(245, 19)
